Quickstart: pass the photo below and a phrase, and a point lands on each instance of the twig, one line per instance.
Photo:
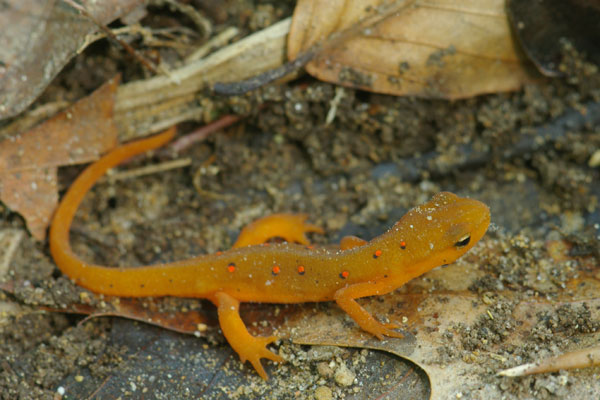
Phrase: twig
(247, 85)
(575, 359)
(149, 169)
(339, 94)
(202, 133)
(14, 238)
(148, 36)
(216, 42)
(201, 22)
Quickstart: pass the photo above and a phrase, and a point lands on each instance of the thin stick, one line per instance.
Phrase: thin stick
(202, 133)
(149, 169)
(575, 359)
(220, 40)
(14, 237)
(201, 22)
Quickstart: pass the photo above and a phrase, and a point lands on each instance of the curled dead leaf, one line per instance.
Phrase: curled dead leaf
(39, 38)
(29, 161)
(434, 49)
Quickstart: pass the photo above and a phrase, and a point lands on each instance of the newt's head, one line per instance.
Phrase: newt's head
(441, 230)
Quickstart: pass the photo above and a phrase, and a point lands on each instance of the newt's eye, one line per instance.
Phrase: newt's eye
(463, 241)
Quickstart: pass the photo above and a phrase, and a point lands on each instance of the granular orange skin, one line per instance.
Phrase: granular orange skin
(435, 233)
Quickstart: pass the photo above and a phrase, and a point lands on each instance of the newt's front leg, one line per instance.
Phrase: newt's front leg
(345, 298)
(248, 347)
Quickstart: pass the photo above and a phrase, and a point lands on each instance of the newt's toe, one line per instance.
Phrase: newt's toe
(389, 330)
(380, 330)
(257, 350)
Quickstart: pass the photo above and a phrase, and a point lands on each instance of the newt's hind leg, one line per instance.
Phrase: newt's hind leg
(248, 347)
(290, 227)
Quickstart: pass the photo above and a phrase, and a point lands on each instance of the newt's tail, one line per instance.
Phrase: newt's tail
(96, 277)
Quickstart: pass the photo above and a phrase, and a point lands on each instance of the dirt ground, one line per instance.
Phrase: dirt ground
(379, 157)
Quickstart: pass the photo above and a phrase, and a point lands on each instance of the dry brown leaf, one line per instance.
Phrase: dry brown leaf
(38, 38)
(165, 312)
(28, 161)
(435, 49)
(146, 310)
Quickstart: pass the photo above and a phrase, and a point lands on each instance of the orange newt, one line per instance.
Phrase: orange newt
(435, 233)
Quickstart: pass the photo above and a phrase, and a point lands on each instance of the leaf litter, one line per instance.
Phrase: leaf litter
(432, 49)
(29, 161)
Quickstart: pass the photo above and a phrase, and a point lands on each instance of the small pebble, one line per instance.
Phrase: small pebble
(324, 370)
(343, 376)
(323, 393)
